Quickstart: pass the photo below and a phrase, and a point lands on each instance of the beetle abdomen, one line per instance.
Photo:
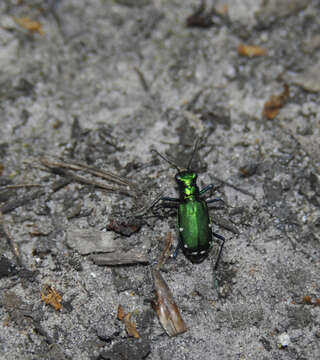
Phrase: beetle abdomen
(194, 229)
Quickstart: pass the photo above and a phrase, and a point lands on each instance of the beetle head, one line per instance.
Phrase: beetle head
(186, 178)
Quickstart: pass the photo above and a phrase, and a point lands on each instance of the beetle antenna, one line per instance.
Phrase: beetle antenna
(167, 160)
(193, 152)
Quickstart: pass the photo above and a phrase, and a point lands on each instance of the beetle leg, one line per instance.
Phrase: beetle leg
(169, 202)
(215, 282)
(207, 188)
(214, 200)
(220, 237)
(144, 210)
(164, 198)
(179, 246)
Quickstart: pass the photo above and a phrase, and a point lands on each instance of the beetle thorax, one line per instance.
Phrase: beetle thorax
(187, 182)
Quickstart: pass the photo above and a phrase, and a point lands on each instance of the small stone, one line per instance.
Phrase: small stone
(107, 327)
(282, 8)
(312, 44)
(7, 22)
(248, 169)
(230, 72)
(283, 340)
(309, 80)
(7, 268)
(128, 349)
(308, 108)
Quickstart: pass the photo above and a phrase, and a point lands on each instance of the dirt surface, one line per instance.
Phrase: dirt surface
(100, 83)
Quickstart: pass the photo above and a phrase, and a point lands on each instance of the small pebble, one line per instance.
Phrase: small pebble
(283, 340)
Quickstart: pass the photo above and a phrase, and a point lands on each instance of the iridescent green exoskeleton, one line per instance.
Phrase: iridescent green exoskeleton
(194, 226)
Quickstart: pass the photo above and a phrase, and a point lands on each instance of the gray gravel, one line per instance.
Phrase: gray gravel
(107, 82)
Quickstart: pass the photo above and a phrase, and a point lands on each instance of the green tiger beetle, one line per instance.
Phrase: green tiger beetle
(195, 228)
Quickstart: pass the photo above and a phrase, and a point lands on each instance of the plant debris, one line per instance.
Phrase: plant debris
(205, 19)
(219, 220)
(275, 103)
(226, 183)
(30, 25)
(308, 300)
(124, 226)
(11, 242)
(87, 241)
(200, 18)
(248, 169)
(24, 199)
(165, 253)
(68, 169)
(251, 50)
(51, 297)
(131, 326)
(120, 313)
(120, 258)
(166, 308)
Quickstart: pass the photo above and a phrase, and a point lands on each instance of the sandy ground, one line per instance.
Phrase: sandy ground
(101, 83)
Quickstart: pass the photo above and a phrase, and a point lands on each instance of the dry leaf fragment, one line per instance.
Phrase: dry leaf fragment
(251, 50)
(309, 301)
(51, 297)
(222, 9)
(275, 103)
(166, 308)
(120, 313)
(200, 18)
(204, 19)
(165, 253)
(30, 25)
(131, 326)
(126, 227)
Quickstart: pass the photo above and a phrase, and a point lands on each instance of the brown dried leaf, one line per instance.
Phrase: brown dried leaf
(51, 297)
(200, 18)
(30, 25)
(251, 50)
(120, 313)
(131, 326)
(309, 301)
(275, 103)
(166, 308)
